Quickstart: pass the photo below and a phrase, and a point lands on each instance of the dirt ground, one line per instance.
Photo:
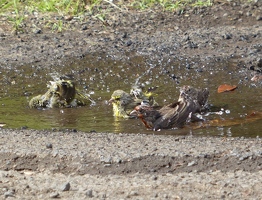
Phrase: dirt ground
(77, 165)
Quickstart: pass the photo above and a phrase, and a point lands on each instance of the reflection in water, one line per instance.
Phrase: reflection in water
(118, 124)
(103, 76)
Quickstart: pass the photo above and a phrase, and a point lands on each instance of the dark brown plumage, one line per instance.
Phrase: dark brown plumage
(190, 101)
(199, 96)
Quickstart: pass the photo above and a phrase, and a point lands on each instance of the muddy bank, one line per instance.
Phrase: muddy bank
(199, 35)
(42, 164)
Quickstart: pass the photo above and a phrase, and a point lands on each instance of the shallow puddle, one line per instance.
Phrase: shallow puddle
(101, 75)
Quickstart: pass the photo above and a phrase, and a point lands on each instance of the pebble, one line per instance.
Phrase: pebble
(258, 18)
(106, 160)
(49, 146)
(243, 158)
(37, 31)
(227, 36)
(133, 193)
(89, 193)
(65, 187)
(54, 195)
(9, 193)
(154, 177)
(192, 163)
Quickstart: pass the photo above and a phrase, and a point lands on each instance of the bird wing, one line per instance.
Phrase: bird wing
(175, 116)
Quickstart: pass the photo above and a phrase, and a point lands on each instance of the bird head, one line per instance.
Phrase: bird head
(120, 97)
(142, 108)
(121, 101)
(146, 113)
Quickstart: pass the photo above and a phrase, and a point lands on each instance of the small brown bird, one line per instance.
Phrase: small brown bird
(190, 101)
(200, 96)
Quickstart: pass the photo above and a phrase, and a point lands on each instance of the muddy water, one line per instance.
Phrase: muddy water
(101, 75)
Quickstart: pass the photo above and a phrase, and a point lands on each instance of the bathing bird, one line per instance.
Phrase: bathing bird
(173, 115)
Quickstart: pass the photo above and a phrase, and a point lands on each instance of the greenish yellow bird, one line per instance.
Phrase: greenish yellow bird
(124, 103)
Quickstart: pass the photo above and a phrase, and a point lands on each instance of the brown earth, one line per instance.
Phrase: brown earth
(77, 165)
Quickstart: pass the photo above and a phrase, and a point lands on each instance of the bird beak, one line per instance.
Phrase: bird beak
(112, 100)
(133, 113)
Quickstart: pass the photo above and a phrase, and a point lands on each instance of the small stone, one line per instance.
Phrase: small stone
(54, 195)
(203, 155)
(68, 17)
(248, 14)
(192, 163)
(89, 193)
(129, 42)
(227, 36)
(243, 157)
(37, 31)
(154, 178)
(133, 193)
(84, 28)
(49, 146)
(9, 193)
(106, 160)
(66, 187)
(259, 17)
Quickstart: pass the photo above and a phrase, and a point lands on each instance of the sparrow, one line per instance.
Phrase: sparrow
(199, 96)
(176, 114)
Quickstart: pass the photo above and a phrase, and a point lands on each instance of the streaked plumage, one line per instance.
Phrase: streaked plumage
(173, 115)
(200, 96)
(61, 93)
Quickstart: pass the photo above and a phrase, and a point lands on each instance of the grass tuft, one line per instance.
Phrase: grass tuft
(18, 18)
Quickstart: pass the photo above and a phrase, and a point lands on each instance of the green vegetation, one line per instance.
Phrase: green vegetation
(170, 5)
(18, 10)
(60, 6)
(17, 19)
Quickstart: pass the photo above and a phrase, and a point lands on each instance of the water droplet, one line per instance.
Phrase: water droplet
(227, 111)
